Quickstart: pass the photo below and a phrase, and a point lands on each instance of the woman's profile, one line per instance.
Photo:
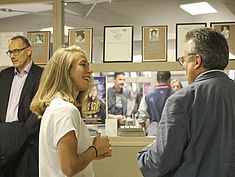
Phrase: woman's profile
(65, 147)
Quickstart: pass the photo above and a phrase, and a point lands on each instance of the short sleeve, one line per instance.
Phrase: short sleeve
(67, 120)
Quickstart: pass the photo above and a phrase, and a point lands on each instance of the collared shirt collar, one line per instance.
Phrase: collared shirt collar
(26, 69)
(162, 85)
(117, 91)
(209, 71)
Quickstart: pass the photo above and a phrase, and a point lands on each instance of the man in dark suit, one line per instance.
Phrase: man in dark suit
(19, 127)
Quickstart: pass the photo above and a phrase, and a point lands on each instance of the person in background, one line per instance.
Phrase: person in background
(117, 99)
(64, 140)
(176, 84)
(19, 127)
(196, 132)
(151, 105)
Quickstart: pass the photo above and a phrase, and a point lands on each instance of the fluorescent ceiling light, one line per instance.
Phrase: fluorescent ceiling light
(198, 8)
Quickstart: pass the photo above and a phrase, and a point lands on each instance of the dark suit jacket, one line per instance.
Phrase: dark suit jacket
(19, 139)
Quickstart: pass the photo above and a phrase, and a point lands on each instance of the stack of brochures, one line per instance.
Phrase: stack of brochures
(131, 131)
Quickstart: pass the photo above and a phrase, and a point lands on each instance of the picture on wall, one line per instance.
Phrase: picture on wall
(41, 46)
(118, 44)
(95, 110)
(154, 43)
(181, 31)
(227, 29)
(83, 38)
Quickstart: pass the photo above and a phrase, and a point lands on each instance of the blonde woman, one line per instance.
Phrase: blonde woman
(176, 85)
(64, 141)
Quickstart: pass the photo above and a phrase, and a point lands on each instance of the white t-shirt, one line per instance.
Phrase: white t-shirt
(58, 119)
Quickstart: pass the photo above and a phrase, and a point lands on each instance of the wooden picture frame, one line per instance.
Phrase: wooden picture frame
(181, 31)
(83, 38)
(41, 46)
(118, 44)
(228, 31)
(154, 43)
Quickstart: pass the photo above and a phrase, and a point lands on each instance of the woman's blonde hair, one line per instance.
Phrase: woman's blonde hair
(176, 81)
(56, 80)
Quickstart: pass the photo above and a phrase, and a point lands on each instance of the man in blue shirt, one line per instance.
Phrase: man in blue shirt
(151, 106)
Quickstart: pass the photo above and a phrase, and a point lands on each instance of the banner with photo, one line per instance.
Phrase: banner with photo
(95, 110)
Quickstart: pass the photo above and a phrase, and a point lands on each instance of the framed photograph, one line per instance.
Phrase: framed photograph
(95, 110)
(118, 44)
(227, 29)
(41, 46)
(154, 43)
(83, 38)
(181, 31)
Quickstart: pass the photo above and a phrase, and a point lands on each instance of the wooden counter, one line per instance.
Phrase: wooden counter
(123, 162)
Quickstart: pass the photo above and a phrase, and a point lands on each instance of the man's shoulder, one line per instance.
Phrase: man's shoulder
(158, 90)
(185, 94)
(111, 89)
(37, 67)
(6, 71)
(62, 106)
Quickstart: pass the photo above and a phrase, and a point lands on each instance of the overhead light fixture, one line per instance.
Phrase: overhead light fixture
(6, 10)
(198, 8)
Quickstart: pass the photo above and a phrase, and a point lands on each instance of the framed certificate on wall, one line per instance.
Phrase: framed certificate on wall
(83, 38)
(181, 31)
(154, 43)
(227, 29)
(41, 46)
(118, 44)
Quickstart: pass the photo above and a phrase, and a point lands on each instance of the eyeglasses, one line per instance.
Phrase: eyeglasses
(15, 51)
(181, 59)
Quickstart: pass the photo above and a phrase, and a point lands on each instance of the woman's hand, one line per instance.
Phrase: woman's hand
(103, 146)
